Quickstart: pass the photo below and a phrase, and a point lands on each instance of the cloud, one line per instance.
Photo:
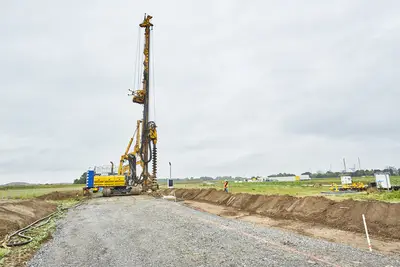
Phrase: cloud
(276, 86)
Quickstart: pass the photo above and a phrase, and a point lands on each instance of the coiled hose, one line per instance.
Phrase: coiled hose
(20, 233)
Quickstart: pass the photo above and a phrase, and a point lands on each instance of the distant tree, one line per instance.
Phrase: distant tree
(206, 178)
(307, 173)
(82, 179)
(281, 174)
(327, 174)
(225, 177)
(391, 170)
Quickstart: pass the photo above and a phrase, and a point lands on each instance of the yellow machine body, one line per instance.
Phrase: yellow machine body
(110, 180)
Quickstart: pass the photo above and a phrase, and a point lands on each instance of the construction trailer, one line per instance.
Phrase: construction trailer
(129, 179)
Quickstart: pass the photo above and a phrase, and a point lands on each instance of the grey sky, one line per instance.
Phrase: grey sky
(242, 88)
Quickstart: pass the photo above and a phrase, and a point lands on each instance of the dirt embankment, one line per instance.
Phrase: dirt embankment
(16, 214)
(62, 195)
(383, 219)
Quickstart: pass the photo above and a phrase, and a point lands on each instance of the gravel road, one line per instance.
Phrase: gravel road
(143, 231)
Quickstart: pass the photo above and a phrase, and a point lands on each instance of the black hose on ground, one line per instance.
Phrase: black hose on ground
(7, 243)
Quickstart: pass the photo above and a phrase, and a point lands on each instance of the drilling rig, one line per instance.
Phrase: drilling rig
(128, 180)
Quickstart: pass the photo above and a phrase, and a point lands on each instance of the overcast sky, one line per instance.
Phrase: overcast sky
(241, 87)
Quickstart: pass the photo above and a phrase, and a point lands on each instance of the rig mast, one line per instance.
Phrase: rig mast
(148, 148)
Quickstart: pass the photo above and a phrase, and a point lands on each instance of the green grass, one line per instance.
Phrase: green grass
(24, 192)
(3, 252)
(34, 186)
(18, 255)
(299, 188)
(270, 188)
(395, 180)
(380, 196)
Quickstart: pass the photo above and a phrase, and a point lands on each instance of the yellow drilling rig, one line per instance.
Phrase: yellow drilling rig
(128, 180)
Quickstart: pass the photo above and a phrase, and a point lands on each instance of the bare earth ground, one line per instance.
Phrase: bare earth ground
(386, 246)
(144, 231)
(16, 214)
(383, 218)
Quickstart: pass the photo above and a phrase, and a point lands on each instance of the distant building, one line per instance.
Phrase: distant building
(284, 179)
(279, 179)
(305, 177)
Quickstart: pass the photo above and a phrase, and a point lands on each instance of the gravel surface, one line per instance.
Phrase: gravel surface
(142, 231)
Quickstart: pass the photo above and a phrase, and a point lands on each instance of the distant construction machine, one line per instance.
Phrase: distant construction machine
(127, 180)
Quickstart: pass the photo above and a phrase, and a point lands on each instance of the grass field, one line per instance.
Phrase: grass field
(30, 191)
(312, 187)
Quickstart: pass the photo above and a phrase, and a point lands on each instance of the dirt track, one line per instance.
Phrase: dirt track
(143, 231)
(383, 218)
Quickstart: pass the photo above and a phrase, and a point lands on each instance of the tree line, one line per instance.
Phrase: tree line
(82, 179)
(357, 173)
(281, 175)
(329, 174)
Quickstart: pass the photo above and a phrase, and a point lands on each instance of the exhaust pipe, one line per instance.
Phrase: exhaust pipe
(112, 167)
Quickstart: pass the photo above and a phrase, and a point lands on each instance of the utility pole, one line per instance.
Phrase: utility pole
(344, 164)
(359, 163)
(170, 173)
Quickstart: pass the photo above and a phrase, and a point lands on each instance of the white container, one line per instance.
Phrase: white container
(346, 180)
(382, 180)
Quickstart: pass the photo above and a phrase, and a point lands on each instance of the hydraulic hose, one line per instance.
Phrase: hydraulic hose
(7, 243)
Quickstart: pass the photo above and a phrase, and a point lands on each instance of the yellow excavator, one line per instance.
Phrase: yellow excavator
(127, 180)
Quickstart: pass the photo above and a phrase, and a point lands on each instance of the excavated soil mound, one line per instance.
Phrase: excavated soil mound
(383, 218)
(62, 195)
(17, 214)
